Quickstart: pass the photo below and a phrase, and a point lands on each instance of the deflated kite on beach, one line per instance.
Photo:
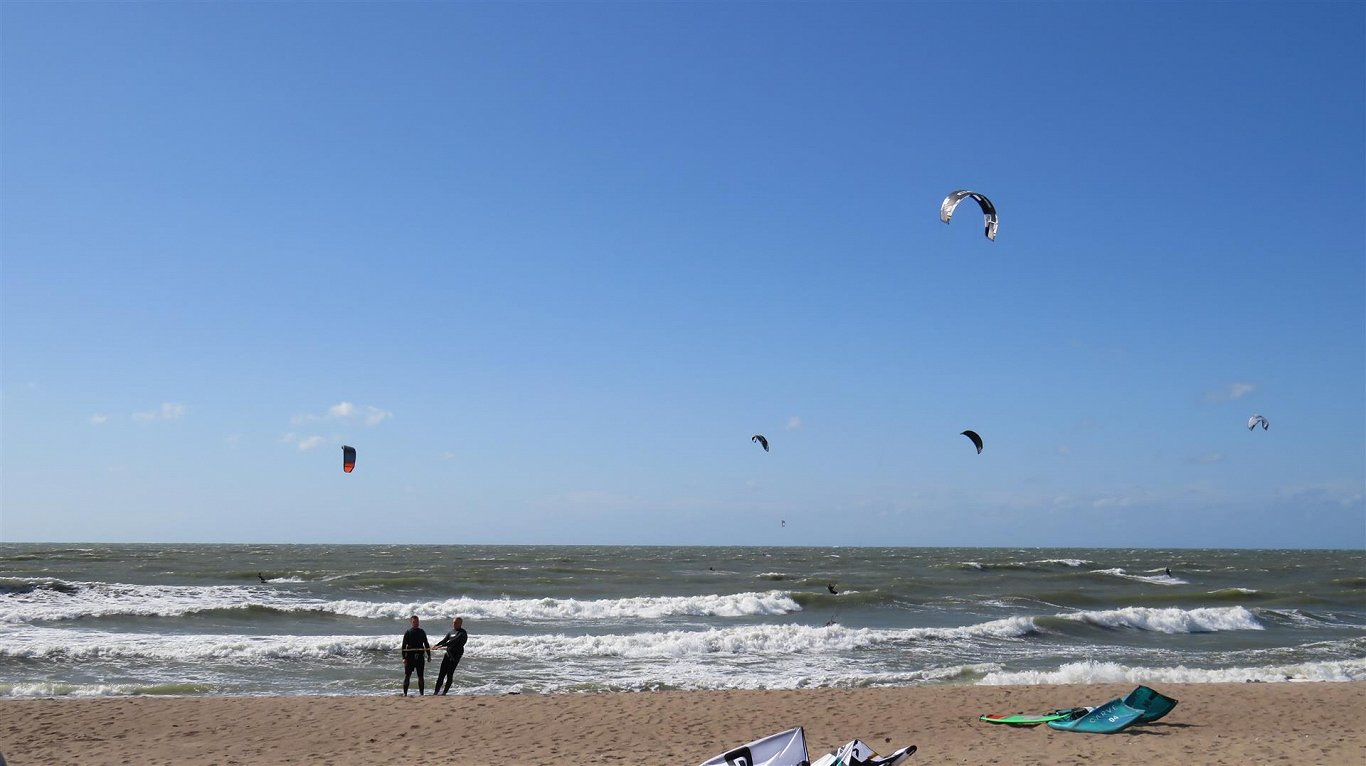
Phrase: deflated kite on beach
(1142, 705)
(786, 748)
(857, 753)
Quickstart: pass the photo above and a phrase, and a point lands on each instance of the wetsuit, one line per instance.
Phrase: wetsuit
(415, 647)
(455, 649)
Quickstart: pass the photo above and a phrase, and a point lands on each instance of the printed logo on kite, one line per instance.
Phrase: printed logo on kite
(348, 458)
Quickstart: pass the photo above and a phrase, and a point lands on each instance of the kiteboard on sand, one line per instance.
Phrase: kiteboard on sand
(1034, 720)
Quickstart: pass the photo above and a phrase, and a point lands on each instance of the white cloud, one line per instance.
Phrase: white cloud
(304, 443)
(167, 411)
(1230, 392)
(793, 423)
(370, 416)
(1209, 458)
(374, 416)
(1344, 494)
(98, 419)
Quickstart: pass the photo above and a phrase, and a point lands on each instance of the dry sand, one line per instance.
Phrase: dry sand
(1285, 723)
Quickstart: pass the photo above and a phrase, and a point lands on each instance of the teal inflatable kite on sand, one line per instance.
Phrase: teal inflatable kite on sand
(1142, 705)
(1109, 718)
(1153, 705)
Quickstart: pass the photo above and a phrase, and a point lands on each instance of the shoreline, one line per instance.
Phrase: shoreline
(1216, 723)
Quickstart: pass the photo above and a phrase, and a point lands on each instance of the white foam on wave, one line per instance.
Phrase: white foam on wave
(755, 640)
(760, 640)
(569, 609)
(1110, 672)
(74, 600)
(1162, 579)
(1066, 562)
(1171, 620)
(54, 643)
(78, 600)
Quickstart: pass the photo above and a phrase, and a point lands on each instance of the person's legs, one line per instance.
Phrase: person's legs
(407, 673)
(449, 670)
(444, 674)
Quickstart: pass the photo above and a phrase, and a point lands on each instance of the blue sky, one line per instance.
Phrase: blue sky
(549, 266)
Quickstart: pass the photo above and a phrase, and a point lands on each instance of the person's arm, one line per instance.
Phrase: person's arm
(427, 646)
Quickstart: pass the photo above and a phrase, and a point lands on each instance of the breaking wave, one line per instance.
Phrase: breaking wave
(1110, 672)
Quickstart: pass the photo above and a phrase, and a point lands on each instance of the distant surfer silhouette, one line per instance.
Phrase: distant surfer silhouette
(1169, 571)
(831, 588)
(261, 576)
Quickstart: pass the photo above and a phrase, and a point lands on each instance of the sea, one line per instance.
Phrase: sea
(260, 620)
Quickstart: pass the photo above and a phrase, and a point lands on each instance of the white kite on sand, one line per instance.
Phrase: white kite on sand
(786, 748)
(858, 753)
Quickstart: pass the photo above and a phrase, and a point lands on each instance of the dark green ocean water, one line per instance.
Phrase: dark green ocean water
(196, 619)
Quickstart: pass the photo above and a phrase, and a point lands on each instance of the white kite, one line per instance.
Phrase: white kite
(989, 219)
(1254, 420)
(858, 753)
(786, 748)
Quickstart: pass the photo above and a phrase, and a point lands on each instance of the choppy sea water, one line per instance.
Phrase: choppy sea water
(197, 620)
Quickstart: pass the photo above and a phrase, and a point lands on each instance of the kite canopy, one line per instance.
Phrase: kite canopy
(761, 440)
(348, 458)
(1254, 420)
(976, 440)
(1153, 704)
(858, 753)
(786, 748)
(950, 203)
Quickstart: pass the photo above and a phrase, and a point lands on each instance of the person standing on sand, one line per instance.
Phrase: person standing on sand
(414, 646)
(455, 649)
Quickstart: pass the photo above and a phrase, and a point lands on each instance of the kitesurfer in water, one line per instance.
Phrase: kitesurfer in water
(454, 642)
(831, 588)
(414, 647)
(1169, 571)
(261, 576)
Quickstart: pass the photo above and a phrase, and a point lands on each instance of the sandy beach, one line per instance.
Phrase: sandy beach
(1256, 723)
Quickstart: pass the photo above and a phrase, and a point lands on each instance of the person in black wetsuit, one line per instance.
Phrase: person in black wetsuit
(414, 647)
(455, 649)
